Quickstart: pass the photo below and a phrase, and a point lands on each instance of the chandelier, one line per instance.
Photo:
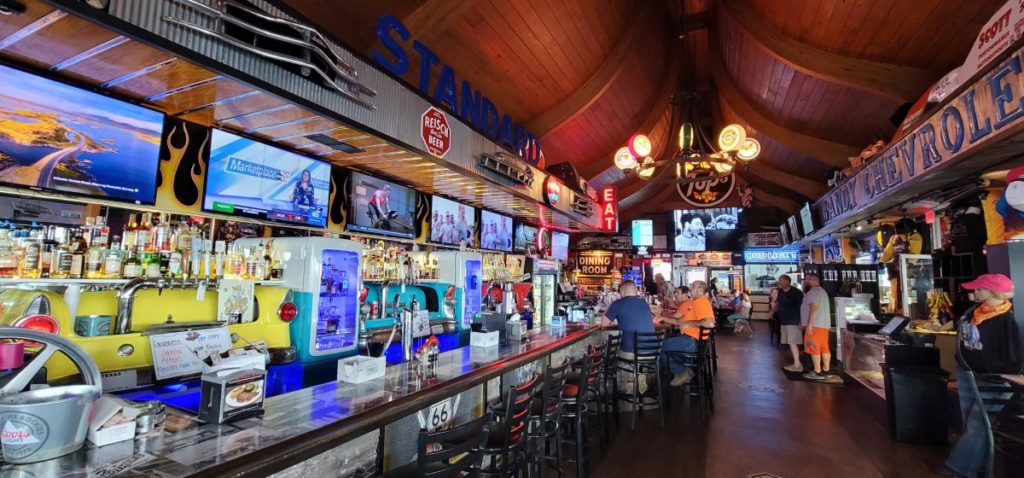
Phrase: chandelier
(697, 159)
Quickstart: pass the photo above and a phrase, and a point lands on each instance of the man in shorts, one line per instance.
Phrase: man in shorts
(819, 321)
(787, 309)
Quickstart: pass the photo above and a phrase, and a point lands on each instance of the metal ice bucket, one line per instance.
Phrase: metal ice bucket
(38, 425)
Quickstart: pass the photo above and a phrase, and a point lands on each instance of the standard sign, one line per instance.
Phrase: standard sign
(435, 131)
(993, 104)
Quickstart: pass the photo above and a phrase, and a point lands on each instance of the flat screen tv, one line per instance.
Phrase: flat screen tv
(807, 219)
(451, 223)
(381, 207)
(794, 230)
(784, 232)
(643, 232)
(696, 230)
(495, 231)
(560, 246)
(251, 179)
(526, 237)
(61, 138)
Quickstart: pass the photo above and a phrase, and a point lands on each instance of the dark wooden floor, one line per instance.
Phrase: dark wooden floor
(764, 423)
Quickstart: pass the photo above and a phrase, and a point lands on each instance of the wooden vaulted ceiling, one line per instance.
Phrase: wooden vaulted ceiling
(815, 81)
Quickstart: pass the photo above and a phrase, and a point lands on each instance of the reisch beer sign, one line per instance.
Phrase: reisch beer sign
(708, 192)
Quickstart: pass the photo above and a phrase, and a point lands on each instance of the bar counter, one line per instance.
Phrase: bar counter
(336, 427)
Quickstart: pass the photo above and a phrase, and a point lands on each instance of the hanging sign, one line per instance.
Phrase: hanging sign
(435, 132)
(987, 108)
(594, 263)
(708, 192)
(764, 239)
(771, 256)
(610, 209)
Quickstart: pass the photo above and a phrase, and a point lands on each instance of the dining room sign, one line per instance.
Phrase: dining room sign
(993, 104)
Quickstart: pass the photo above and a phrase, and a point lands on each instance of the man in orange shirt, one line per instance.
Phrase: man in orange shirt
(691, 315)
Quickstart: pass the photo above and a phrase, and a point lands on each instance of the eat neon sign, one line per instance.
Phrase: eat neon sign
(609, 209)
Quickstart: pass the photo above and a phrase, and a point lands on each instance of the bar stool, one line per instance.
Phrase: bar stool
(646, 355)
(433, 462)
(506, 442)
(545, 415)
(610, 385)
(576, 402)
(701, 386)
(713, 353)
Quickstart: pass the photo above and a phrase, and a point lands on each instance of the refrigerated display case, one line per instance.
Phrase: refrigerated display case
(465, 270)
(545, 290)
(325, 275)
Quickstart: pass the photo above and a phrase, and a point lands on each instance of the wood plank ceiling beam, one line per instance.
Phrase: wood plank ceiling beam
(807, 187)
(658, 105)
(432, 18)
(595, 86)
(896, 82)
(828, 152)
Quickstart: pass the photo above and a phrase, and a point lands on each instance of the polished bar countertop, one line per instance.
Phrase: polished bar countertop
(302, 424)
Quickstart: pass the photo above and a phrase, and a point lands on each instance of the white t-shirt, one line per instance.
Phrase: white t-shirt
(822, 318)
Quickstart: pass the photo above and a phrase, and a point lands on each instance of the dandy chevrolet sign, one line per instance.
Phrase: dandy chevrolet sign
(993, 104)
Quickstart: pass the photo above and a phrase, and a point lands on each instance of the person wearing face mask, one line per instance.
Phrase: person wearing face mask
(988, 342)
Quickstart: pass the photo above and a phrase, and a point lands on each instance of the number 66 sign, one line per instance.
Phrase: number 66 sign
(440, 414)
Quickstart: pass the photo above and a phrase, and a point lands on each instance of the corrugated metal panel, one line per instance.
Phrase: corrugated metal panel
(396, 112)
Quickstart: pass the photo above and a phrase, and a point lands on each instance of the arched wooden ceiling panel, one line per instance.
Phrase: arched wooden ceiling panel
(931, 34)
(778, 155)
(799, 101)
(613, 117)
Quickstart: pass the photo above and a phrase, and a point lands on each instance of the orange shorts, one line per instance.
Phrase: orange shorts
(816, 341)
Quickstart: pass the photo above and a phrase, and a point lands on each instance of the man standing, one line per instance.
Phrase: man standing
(819, 321)
(787, 311)
(632, 314)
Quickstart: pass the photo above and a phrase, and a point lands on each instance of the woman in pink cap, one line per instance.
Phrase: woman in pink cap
(988, 343)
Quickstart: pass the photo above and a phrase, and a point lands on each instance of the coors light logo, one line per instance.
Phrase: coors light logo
(22, 434)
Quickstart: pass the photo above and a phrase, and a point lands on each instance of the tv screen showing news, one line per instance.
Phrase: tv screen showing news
(807, 219)
(643, 232)
(525, 236)
(495, 231)
(381, 207)
(450, 222)
(252, 179)
(560, 245)
(61, 138)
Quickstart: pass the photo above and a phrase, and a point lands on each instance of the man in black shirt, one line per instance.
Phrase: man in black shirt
(787, 309)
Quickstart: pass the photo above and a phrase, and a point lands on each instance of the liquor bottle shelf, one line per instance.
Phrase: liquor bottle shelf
(67, 282)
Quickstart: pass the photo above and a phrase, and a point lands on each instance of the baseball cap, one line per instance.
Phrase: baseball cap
(993, 282)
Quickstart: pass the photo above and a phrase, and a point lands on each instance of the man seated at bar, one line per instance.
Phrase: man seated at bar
(631, 313)
(691, 315)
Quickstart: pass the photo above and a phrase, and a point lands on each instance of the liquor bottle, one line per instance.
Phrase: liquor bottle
(129, 233)
(8, 260)
(175, 267)
(144, 234)
(33, 247)
(151, 264)
(276, 266)
(60, 264)
(113, 262)
(94, 261)
(46, 255)
(132, 265)
(162, 234)
(79, 247)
